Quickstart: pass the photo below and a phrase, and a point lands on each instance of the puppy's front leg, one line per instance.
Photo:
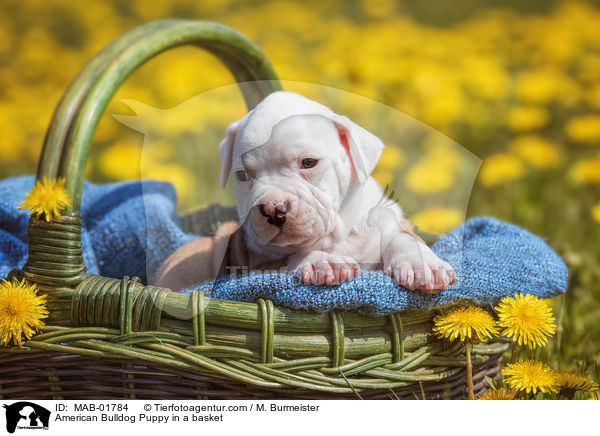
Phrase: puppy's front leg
(322, 268)
(414, 266)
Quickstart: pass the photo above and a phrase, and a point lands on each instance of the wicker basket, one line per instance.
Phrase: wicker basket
(115, 338)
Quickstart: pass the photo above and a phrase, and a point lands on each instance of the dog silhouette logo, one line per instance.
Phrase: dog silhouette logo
(26, 415)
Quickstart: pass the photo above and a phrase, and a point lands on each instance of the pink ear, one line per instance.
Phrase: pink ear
(344, 139)
(363, 148)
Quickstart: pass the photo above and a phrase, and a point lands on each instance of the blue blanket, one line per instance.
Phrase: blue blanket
(130, 227)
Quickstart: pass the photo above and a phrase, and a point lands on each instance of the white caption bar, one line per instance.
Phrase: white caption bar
(290, 417)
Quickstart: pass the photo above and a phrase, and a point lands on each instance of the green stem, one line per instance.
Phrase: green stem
(513, 354)
(468, 346)
(559, 326)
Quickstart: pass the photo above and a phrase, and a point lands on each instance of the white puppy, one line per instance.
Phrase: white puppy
(305, 198)
(302, 184)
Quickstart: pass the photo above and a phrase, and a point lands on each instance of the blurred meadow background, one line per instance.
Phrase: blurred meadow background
(516, 84)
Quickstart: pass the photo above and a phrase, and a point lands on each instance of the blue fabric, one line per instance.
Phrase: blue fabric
(115, 217)
(492, 258)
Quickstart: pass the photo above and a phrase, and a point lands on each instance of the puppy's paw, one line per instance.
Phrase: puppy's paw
(320, 268)
(423, 271)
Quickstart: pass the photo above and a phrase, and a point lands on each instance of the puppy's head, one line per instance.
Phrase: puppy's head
(290, 189)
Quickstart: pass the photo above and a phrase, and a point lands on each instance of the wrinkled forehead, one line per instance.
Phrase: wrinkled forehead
(306, 133)
(303, 129)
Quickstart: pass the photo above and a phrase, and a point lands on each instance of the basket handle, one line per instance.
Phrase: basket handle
(75, 94)
(74, 122)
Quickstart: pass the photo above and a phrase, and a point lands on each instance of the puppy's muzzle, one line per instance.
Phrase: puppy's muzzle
(274, 212)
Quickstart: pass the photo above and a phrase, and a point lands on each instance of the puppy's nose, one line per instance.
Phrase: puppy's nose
(275, 213)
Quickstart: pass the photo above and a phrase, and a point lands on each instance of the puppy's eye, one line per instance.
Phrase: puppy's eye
(242, 175)
(309, 162)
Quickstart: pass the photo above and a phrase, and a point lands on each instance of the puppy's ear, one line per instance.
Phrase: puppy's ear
(226, 152)
(363, 148)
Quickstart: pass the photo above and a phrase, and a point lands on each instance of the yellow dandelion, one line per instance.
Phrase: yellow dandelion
(438, 219)
(383, 176)
(586, 170)
(21, 311)
(463, 323)
(499, 168)
(596, 212)
(522, 118)
(499, 394)
(537, 151)
(539, 85)
(585, 129)
(531, 376)
(391, 158)
(430, 177)
(568, 380)
(120, 161)
(527, 318)
(47, 198)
